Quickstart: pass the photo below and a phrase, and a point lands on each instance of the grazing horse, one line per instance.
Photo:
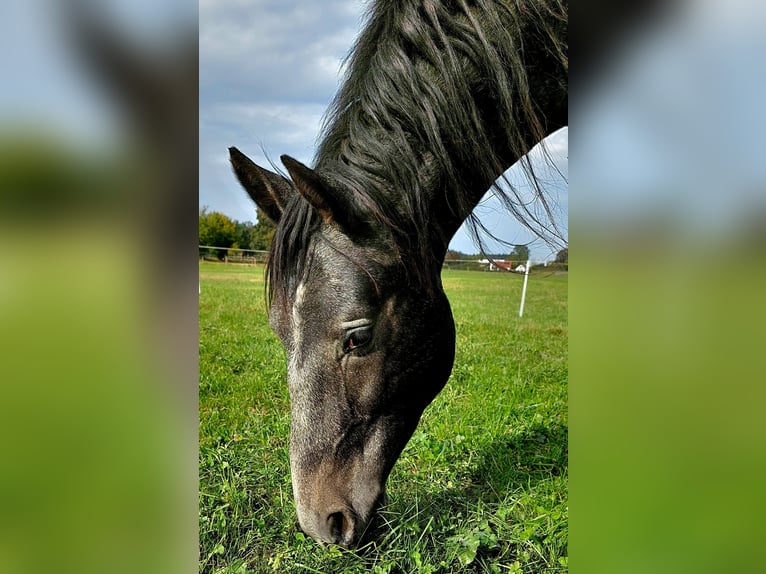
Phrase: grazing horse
(440, 98)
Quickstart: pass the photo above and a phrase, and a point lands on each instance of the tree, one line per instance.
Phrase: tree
(452, 255)
(563, 256)
(520, 253)
(216, 230)
(262, 232)
(244, 234)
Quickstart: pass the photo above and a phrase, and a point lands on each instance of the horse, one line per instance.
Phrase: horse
(440, 98)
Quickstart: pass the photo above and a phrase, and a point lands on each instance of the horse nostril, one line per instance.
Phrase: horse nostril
(341, 528)
(335, 525)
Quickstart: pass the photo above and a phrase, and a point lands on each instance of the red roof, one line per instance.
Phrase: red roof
(505, 265)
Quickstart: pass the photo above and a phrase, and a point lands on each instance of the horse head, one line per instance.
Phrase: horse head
(367, 349)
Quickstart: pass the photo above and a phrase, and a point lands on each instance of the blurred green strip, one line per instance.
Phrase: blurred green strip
(93, 475)
(667, 398)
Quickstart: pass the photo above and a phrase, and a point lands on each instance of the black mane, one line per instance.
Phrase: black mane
(440, 98)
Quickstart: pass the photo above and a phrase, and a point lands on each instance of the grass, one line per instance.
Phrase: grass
(482, 484)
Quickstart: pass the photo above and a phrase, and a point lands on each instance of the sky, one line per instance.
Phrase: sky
(45, 83)
(671, 133)
(268, 71)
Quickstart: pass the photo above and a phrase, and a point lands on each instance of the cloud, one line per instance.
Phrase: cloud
(268, 73)
(290, 125)
(286, 50)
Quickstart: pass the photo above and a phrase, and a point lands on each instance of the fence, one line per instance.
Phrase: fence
(255, 256)
(504, 266)
(232, 255)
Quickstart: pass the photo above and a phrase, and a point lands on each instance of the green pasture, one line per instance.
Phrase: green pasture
(482, 484)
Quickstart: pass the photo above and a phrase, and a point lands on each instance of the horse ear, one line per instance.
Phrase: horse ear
(270, 191)
(332, 204)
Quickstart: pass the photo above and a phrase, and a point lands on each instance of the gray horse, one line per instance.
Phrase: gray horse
(441, 97)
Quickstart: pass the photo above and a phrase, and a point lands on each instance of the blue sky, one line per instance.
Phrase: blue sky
(672, 135)
(672, 131)
(268, 70)
(44, 83)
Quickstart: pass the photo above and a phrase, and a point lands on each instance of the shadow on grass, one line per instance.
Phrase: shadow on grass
(536, 453)
(510, 463)
(514, 464)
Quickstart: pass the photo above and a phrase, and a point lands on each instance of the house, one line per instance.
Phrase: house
(497, 264)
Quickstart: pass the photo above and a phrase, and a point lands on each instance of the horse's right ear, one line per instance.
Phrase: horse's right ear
(270, 191)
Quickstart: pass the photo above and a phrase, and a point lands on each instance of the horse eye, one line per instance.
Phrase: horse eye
(357, 338)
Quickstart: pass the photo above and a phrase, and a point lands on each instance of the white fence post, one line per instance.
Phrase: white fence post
(524, 290)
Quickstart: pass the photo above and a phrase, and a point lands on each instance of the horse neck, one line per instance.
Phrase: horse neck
(427, 120)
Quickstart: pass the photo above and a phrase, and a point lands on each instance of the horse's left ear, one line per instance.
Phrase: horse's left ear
(333, 204)
(270, 191)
